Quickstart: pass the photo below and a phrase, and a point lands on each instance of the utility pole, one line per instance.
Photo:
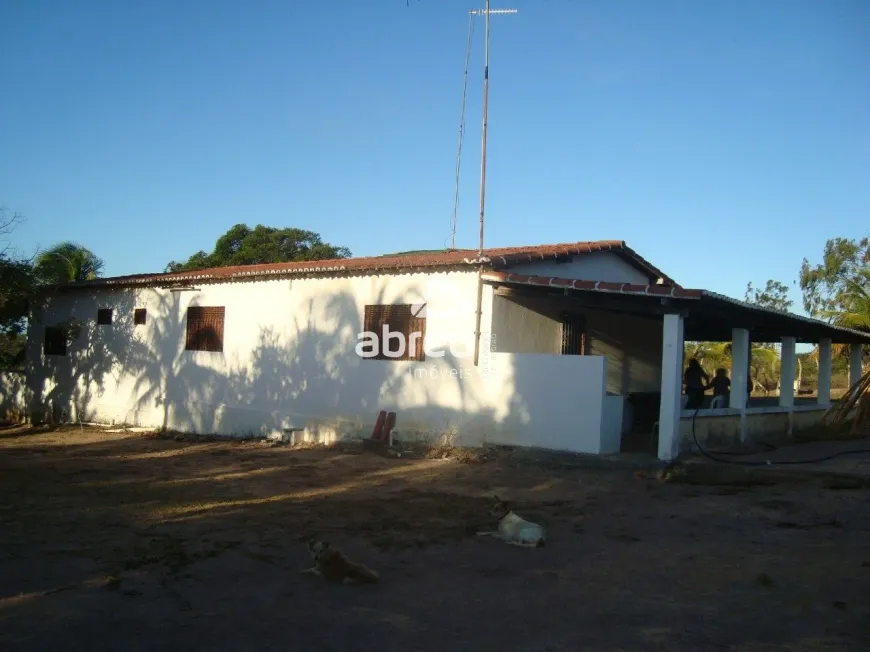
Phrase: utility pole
(479, 312)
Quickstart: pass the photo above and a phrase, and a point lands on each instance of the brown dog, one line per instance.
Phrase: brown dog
(334, 566)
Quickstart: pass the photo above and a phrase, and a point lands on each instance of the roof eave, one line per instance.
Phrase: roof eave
(163, 280)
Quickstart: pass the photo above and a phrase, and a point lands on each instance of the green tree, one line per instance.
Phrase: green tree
(828, 286)
(774, 296)
(836, 289)
(242, 245)
(711, 355)
(854, 302)
(67, 262)
(764, 367)
(16, 285)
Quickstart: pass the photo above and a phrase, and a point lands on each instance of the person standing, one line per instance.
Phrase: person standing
(695, 380)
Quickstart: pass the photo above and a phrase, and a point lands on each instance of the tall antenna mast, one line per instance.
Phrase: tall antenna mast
(486, 12)
(461, 131)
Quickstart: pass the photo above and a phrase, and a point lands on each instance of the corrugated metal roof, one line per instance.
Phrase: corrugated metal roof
(665, 291)
(781, 313)
(493, 258)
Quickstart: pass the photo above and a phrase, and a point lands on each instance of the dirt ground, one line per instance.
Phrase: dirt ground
(121, 541)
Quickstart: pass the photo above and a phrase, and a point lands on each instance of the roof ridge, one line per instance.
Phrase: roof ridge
(419, 259)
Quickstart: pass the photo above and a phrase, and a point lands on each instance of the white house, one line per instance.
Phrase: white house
(570, 346)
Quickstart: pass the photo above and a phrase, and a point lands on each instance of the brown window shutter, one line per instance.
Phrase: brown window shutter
(417, 325)
(398, 318)
(205, 328)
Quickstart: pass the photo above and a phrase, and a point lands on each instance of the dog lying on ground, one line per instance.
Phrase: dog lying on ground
(333, 565)
(514, 529)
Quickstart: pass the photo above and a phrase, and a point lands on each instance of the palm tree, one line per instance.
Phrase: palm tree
(855, 300)
(67, 262)
(854, 312)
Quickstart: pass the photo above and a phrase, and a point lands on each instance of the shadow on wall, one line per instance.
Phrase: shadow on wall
(304, 375)
(67, 386)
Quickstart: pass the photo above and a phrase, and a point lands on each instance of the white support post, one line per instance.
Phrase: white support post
(739, 367)
(672, 388)
(824, 372)
(787, 372)
(855, 371)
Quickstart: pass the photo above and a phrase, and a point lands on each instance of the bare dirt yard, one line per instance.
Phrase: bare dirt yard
(122, 541)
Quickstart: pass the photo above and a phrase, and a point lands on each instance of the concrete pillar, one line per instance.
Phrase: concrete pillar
(824, 371)
(672, 388)
(787, 372)
(739, 367)
(855, 352)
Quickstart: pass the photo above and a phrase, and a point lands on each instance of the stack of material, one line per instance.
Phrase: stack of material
(858, 397)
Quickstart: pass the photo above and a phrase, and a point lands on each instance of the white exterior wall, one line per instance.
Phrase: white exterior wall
(613, 418)
(289, 361)
(596, 266)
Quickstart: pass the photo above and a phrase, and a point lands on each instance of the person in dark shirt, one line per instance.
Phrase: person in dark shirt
(695, 380)
(721, 384)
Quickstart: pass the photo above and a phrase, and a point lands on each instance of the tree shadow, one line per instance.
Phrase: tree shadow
(300, 373)
(67, 387)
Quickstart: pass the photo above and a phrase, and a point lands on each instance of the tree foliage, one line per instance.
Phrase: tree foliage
(854, 302)
(21, 277)
(16, 279)
(67, 262)
(774, 296)
(242, 245)
(829, 287)
(16, 284)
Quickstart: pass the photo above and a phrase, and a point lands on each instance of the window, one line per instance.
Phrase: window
(139, 315)
(104, 316)
(573, 334)
(400, 319)
(205, 329)
(55, 341)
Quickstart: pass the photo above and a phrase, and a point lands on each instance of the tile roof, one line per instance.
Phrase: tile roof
(493, 258)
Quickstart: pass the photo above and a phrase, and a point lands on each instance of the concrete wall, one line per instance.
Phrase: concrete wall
(548, 411)
(722, 430)
(289, 360)
(598, 266)
(631, 344)
(612, 424)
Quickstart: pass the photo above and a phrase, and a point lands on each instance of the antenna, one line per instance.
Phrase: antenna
(486, 12)
(461, 131)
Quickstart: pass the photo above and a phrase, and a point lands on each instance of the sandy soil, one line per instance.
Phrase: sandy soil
(120, 541)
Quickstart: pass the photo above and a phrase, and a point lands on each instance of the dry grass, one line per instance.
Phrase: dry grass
(159, 543)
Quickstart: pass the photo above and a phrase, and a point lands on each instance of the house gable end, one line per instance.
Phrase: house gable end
(596, 266)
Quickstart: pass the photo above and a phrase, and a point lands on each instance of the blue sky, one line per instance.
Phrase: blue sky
(724, 141)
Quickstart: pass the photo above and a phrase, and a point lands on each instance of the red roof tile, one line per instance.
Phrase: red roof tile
(495, 258)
